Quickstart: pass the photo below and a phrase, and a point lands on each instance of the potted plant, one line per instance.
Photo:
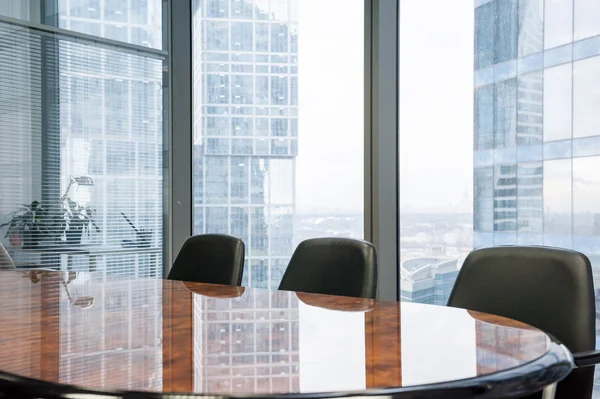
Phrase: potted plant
(80, 219)
(33, 223)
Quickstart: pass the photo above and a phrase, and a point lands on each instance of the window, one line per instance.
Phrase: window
(586, 97)
(484, 117)
(241, 36)
(505, 114)
(530, 109)
(242, 89)
(116, 106)
(262, 37)
(484, 37)
(587, 14)
(217, 89)
(242, 9)
(506, 30)
(279, 38)
(94, 136)
(279, 90)
(217, 36)
(586, 189)
(529, 194)
(275, 172)
(557, 102)
(558, 23)
(217, 8)
(531, 27)
(217, 126)
(85, 9)
(115, 10)
(499, 146)
(216, 186)
(558, 213)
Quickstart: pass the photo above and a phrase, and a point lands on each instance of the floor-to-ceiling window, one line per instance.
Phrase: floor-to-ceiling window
(82, 131)
(81, 170)
(498, 133)
(436, 113)
(278, 125)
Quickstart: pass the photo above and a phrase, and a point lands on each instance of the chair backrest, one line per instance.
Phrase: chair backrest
(333, 266)
(210, 258)
(548, 288)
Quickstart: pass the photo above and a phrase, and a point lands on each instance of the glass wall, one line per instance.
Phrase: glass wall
(82, 137)
(523, 170)
(81, 172)
(436, 140)
(278, 125)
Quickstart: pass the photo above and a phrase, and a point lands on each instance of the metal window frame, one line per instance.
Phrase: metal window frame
(179, 218)
(381, 141)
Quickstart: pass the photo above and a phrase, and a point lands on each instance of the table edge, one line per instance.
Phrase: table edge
(528, 378)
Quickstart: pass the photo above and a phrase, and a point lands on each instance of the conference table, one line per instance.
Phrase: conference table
(67, 334)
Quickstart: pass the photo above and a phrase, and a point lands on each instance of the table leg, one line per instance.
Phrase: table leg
(549, 392)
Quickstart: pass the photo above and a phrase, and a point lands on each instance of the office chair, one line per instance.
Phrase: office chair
(210, 258)
(333, 266)
(548, 288)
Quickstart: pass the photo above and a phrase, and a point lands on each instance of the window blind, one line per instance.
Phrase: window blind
(81, 140)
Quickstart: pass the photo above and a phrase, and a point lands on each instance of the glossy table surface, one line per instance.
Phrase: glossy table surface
(114, 333)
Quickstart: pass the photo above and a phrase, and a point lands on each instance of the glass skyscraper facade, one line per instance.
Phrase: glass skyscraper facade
(536, 135)
(245, 128)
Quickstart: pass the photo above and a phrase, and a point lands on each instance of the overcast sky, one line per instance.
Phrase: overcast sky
(436, 110)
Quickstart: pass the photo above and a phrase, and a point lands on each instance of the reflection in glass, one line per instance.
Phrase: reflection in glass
(246, 96)
(506, 30)
(484, 117)
(483, 214)
(505, 114)
(557, 197)
(529, 109)
(586, 48)
(558, 55)
(587, 15)
(558, 22)
(586, 192)
(505, 197)
(531, 27)
(586, 146)
(529, 198)
(586, 97)
(557, 149)
(484, 35)
(557, 103)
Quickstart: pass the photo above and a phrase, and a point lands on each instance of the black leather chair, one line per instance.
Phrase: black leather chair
(333, 266)
(210, 258)
(548, 288)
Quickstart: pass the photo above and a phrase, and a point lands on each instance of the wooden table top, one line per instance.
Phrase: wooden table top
(119, 334)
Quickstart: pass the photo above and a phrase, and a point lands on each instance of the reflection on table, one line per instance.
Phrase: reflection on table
(158, 335)
(132, 260)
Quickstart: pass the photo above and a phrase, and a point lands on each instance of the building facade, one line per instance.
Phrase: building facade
(245, 73)
(536, 140)
(427, 280)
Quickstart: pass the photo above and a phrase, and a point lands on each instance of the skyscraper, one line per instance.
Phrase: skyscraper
(245, 63)
(536, 136)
